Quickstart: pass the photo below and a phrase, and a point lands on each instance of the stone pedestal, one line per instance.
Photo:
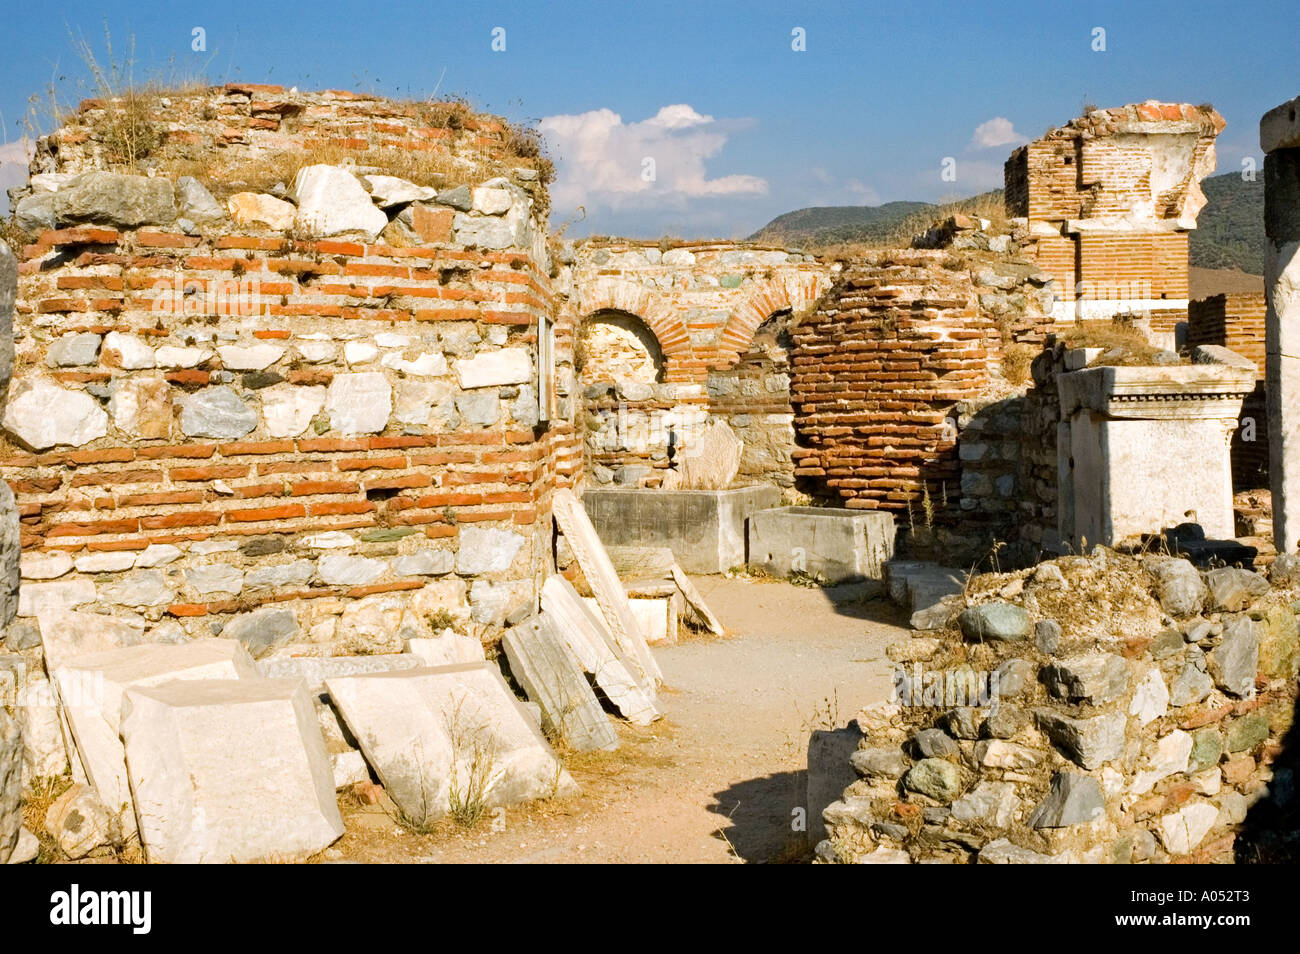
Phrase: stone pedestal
(705, 529)
(1279, 137)
(1141, 449)
(833, 544)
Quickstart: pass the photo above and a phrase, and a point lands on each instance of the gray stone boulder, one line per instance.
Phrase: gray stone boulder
(884, 762)
(1093, 678)
(1003, 622)
(216, 412)
(73, 351)
(10, 555)
(934, 743)
(42, 414)
(1233, 589)
(263, 631)
(937, 778)
(1074, 799)
(114, 198)
(36, 213)
(196, 202)
(1235, 661)
(1089, 743)
(1179, 586)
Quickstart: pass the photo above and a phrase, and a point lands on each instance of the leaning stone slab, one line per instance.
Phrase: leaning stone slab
(552, 677)
(91, 690)
(593, 644)
(229, 771)
(605, 585)
(429, 733)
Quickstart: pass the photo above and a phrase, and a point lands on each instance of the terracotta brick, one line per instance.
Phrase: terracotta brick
(281, 512)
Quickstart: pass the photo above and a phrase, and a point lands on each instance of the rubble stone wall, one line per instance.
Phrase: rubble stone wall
(1100, 709)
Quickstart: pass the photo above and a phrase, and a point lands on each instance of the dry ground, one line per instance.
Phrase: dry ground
(716, 779)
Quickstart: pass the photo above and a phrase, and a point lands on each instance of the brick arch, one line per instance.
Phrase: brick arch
(663, 320)
(795, 292)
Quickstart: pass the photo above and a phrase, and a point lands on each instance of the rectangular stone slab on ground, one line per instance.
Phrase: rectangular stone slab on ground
(91, 691)
(423, 729)
(229, 771)
(552, 676)
(591, 641)
(605, 585)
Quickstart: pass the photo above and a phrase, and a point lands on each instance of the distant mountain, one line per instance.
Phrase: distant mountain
(1230, 229)
(834, 224)
(1229, 232)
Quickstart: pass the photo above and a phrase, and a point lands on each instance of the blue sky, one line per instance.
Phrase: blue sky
(741, 126)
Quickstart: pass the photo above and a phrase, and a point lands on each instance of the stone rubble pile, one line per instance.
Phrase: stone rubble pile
(1103, 709)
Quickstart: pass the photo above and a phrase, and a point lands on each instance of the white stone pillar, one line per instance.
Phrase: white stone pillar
(1279, 137)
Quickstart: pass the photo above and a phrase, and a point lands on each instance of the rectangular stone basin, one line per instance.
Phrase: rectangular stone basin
(705, 529)
(833, 544)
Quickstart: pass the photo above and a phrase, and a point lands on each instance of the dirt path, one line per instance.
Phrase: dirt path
(716, 779)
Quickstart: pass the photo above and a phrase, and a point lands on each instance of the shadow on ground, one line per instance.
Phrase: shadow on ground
(757, 814)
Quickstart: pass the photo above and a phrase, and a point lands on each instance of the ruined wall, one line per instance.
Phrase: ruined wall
(215, 409)
(701, 303)
(904, 358)
(1237, 322)
(1108, 199)
(1105, 710)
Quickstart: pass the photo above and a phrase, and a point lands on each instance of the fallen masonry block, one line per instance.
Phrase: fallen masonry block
(229, 771)
(551, 675)
(316, 670)
(925, 590)
(605, 584)
(830, 772)
(641, 563)
(591, 642)
(448, 648)
(832, 544)
(705, 529)
(91, 691)
(447, 739)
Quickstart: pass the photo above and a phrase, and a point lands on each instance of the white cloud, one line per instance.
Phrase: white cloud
(14, 157)
(995, 132)
(602, 161)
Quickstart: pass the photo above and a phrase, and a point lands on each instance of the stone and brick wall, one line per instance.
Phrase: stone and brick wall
(1108, 199)
(702, 303)
(903, 358)
(207, 419)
